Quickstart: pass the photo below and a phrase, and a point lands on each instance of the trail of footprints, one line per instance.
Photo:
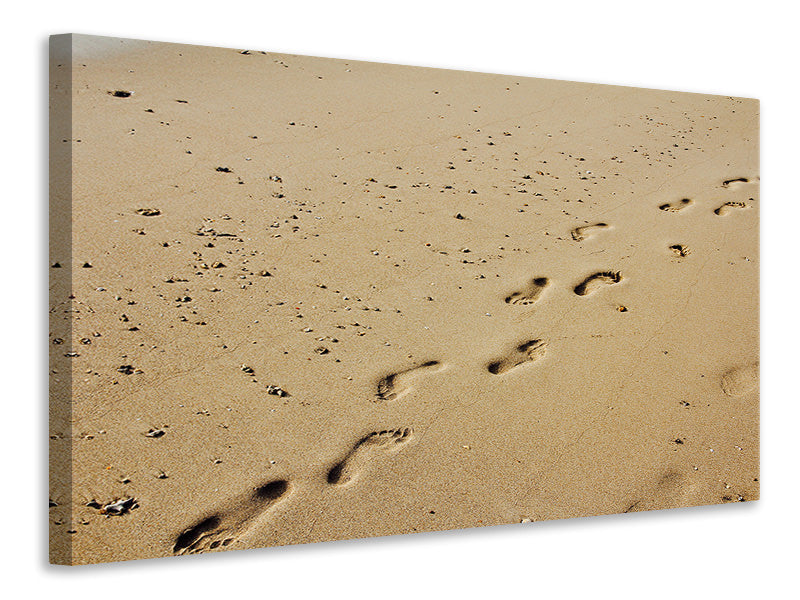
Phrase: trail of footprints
(723, 210)
(729, 207)
(224, 526)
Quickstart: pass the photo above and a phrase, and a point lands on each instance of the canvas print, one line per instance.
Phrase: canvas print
(298, 299)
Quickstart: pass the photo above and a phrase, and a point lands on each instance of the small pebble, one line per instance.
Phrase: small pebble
(119, 507)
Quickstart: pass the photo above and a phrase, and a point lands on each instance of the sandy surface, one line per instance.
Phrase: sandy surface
(318, 299)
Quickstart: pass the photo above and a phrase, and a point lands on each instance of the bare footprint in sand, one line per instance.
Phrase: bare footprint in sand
(593, 282)
(740, 380)
(396, 385)
(526, 352)
(530, 293)
(673, 490)
(730, 206)
(735, 182)
(680, 250)
(388, 440)
(581, 233)
(220, 529)
(676, 206)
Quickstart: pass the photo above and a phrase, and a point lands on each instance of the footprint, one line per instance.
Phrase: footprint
(225, 526)
(676, 206)
(388, 440)
(729, 206)
(680, 250)
(591, 283)
(530, 293)
(740, 380)
(397, 385)
(526, 352)
(671, 491)
(736, 182)
(581, 233)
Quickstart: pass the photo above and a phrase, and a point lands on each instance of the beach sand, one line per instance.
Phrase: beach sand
(300, 299)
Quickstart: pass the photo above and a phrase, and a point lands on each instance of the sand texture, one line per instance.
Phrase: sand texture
(298, 299)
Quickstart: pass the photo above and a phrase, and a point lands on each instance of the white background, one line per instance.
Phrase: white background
(732, 48)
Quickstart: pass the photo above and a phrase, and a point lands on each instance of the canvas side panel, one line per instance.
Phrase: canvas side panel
(60, 341)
